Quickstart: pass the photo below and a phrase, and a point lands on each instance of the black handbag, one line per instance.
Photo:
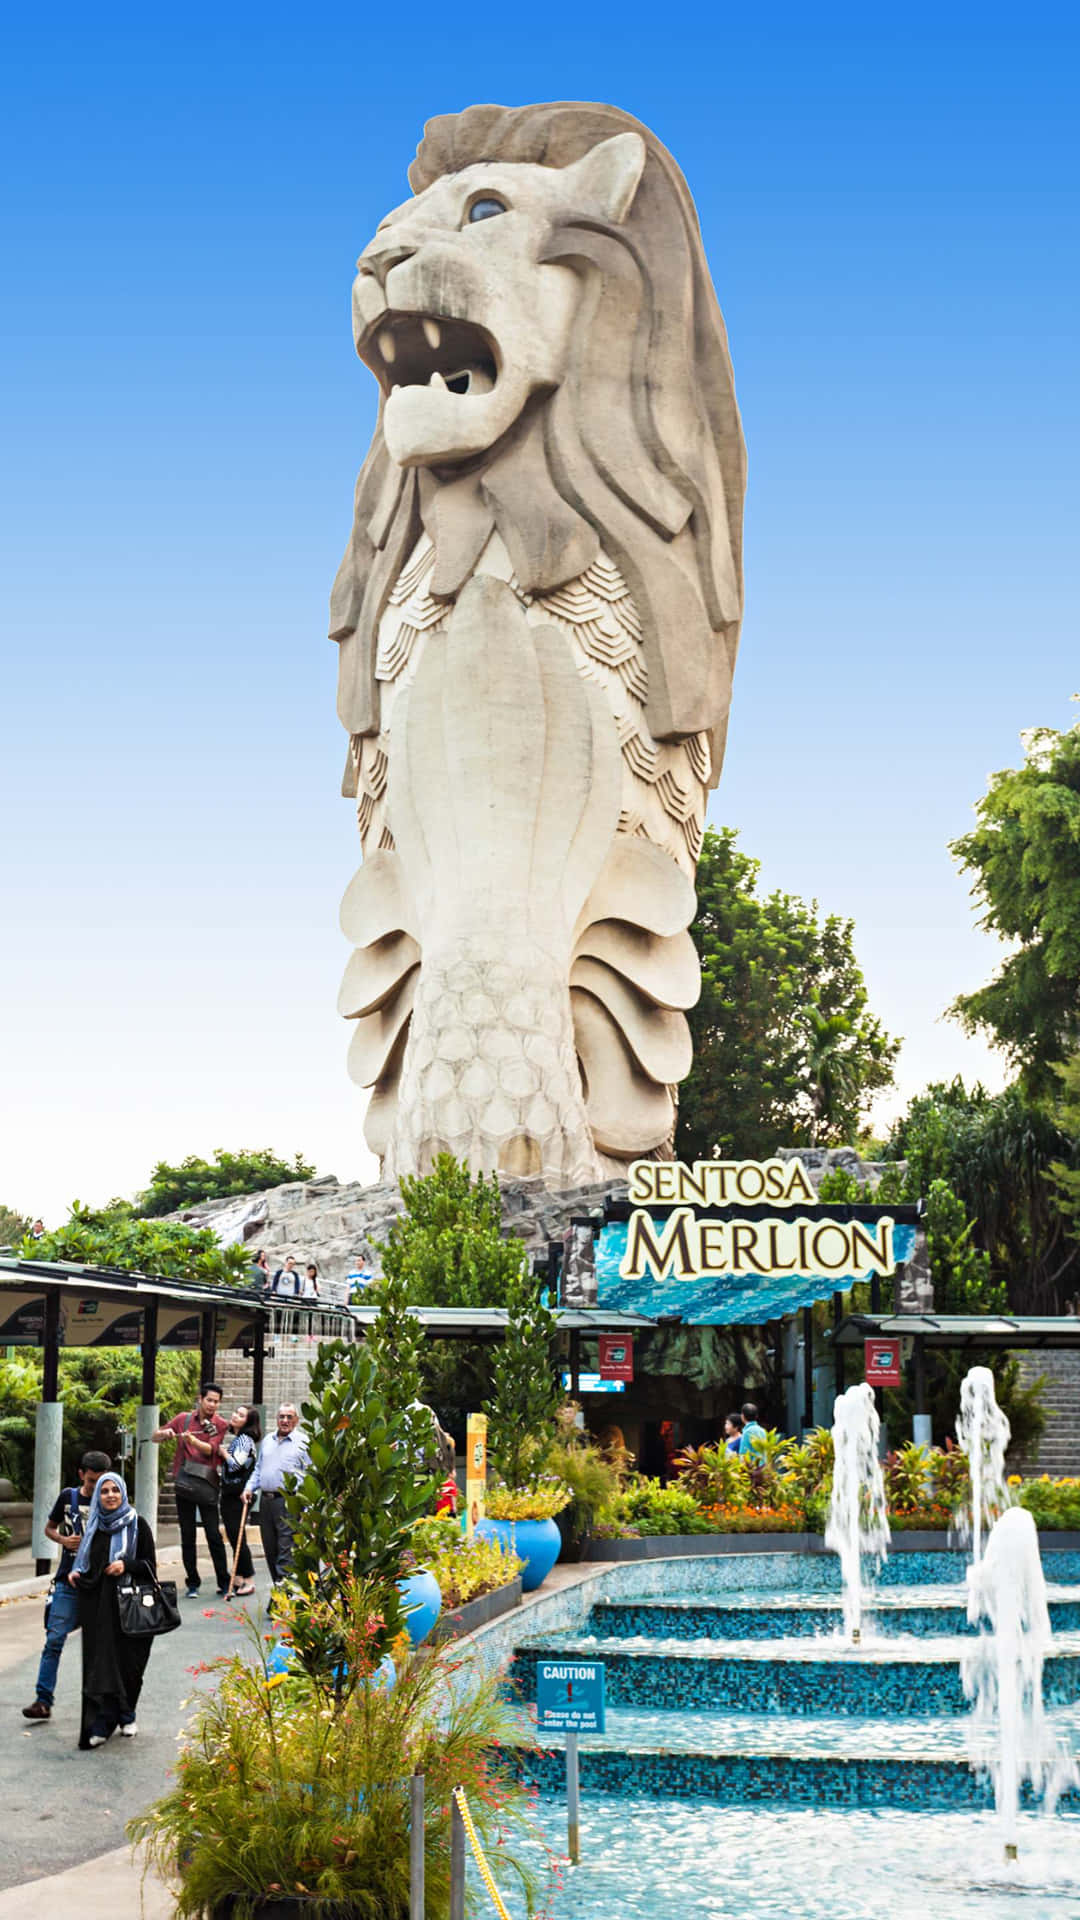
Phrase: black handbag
(147, 1606)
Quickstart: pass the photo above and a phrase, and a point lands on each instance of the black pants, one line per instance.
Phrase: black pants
(207, 1511)
(232, 1508)
(277, 1534)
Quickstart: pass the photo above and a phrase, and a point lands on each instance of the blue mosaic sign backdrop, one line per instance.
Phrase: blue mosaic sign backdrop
(718, 1299)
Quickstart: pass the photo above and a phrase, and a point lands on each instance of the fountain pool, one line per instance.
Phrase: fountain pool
(754, 1764)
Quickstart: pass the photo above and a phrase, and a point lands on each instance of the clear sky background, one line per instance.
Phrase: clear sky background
(889, 204)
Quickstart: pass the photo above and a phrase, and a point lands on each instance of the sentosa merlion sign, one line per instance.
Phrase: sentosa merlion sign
(537, 613)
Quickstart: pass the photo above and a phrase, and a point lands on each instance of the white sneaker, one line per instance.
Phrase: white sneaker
(129, 1730)
(97, 1740)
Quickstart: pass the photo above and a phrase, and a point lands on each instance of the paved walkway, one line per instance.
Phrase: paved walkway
(65, 1812)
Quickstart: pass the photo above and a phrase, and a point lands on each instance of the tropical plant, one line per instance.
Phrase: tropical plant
(785, 1047)
(275, 1795)
(1023, 857)
(649, 1508)
(352, 1512)
(907, 1478)
(715, 1477)
(589, 1473)
(224, 1175)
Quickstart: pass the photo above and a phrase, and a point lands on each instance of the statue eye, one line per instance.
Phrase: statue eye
(486, 208)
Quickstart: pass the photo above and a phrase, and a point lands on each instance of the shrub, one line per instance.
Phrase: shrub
(249, 1171)
(1053, 1504)
(542, 1499)
(164, 1249)
(649, 1508)
(464, 1569)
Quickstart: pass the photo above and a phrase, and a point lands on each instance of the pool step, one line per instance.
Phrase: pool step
(796, 1678)
(743, 1778)
(752, 1620)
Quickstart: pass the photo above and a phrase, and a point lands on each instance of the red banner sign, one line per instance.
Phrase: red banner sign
(883, 1363)
(616, 1356)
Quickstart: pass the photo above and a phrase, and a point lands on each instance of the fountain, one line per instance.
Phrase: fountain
(858, 1521)
(982, 1431)
(1003, 1674)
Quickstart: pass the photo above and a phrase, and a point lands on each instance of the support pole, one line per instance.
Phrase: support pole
(838, 1351)
(48, 1435)
(573, 1800)
(209, 1344)
(922, 1430)
(258, 1366)
(457, 1863)
(808, 1368)
(146, 1421)
(575, 1363)
(416, 1846)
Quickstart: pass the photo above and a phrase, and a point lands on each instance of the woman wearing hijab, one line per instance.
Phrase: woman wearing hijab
(115, 1542)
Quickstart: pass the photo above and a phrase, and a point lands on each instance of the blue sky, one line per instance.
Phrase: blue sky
(889, 204)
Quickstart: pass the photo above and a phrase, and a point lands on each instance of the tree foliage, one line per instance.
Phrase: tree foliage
(352, 1512)
(1064, 1174)
(163, 1249)
(996, 1152)
(100, 1388)
(786, 1050)
(13, 1226)
(1024, 859)
(525, 1391)
(447, 1249)
(226, 1174)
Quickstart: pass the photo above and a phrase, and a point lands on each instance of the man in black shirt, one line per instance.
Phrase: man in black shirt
(64, 1525)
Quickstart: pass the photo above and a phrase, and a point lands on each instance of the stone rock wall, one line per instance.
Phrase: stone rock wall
(342, 1227)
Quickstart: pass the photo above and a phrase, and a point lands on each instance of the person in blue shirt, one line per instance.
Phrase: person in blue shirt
(732, 1432)
(283, 1456)
(752, 1431)
(65, 1525)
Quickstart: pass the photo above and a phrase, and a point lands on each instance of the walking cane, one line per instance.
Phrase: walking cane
(239, 1544)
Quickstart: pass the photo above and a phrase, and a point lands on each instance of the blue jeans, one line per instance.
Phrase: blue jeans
(63, 1617)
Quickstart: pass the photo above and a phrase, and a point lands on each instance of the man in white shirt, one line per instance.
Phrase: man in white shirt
(283, 1456)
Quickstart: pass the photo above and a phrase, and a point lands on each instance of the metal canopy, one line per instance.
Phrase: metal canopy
(489, 1323)
(960, 1330)
(103, 1307)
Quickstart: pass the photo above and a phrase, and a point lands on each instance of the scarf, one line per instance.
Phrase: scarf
(118, 1525)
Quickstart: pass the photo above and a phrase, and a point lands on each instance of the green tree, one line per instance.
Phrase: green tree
(1024, 859)
(447, 1248)
(996, 1152)
(352, 1511)
(786, 1050)
(163, 1249)
(13, 1226)
(525, 1390)
(195, 1180)
(1064, 1175)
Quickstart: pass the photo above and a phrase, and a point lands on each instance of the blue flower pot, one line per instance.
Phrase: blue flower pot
(422, 1600)
(537, 1542)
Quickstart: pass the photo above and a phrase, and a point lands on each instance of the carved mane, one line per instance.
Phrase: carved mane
(640, 449)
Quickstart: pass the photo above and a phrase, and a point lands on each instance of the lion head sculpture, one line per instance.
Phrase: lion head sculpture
(538, 613)
(552, 361)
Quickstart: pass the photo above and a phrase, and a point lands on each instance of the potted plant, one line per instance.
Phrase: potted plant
(289, 1799)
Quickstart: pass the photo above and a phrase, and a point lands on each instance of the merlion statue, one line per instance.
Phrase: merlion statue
(537, 613)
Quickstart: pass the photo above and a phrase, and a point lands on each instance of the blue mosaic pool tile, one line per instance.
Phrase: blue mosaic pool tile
(751, 1683)
(685, 1620)
(773, 1779)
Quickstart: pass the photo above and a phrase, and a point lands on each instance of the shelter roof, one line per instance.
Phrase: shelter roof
(961, 1330)
(489, 1323)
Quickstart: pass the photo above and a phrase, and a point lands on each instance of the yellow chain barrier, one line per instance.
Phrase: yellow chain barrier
(478, 1852)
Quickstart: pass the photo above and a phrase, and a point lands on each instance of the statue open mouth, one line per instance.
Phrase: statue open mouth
(422, 350)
